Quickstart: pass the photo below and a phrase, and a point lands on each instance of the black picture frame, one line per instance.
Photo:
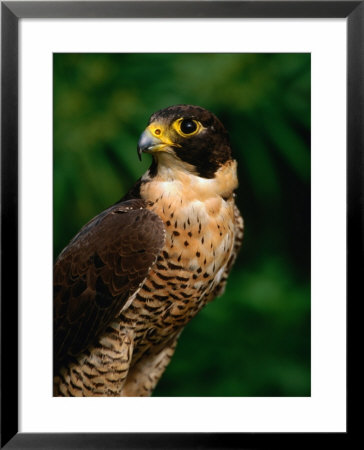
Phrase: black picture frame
(11, 12)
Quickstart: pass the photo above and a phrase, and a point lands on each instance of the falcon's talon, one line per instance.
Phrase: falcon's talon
(152, 266)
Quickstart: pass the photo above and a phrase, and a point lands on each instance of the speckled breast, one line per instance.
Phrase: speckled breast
(199, 241)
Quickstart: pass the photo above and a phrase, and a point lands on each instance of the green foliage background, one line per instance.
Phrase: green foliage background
(255, 340)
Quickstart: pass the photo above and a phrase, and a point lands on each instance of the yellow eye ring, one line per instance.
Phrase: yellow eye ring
(187, 127)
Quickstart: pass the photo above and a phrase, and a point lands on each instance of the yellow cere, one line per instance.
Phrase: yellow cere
(160, 132)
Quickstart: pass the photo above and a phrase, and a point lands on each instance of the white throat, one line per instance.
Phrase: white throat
(178, 178)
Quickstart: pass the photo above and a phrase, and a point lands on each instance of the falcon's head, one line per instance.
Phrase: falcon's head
(188, 137)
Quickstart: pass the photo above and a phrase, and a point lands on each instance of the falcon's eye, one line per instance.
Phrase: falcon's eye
(187, 127)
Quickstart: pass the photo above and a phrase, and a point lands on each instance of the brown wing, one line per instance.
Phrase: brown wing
(99, 270)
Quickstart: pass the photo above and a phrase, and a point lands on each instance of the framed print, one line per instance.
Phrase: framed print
(267, 361)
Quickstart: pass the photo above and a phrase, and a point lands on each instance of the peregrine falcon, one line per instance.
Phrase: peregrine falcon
(136, 274)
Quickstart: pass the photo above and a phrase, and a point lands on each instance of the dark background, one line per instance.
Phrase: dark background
(255, 340)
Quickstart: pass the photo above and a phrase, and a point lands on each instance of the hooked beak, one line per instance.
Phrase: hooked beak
(149, 143)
